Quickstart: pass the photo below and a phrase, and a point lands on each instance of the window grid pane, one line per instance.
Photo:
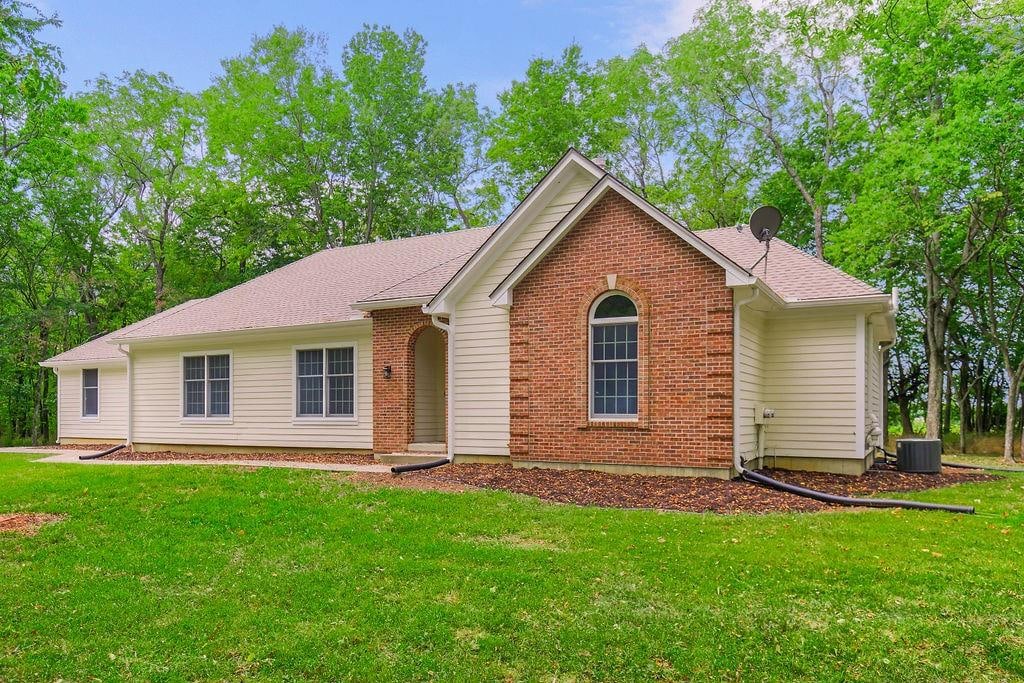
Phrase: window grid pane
(311, 363)
(195, 403)
(220, 397)
(195, 367)
(311, 395)
(90, 402)
(614, 369)
(220, 366)
(340, 396)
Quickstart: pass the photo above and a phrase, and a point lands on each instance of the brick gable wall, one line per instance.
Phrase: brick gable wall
(685, 347)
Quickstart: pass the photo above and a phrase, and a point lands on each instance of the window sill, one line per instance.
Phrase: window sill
(90, 418)
(633, 423)
(206, 420)
(325, 420)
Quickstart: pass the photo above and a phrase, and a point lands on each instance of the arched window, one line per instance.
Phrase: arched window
(613, 357)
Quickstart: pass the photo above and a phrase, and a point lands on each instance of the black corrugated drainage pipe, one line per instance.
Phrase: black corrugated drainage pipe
(759, 478)
(93, 456)
(417, 466)
(958, 465)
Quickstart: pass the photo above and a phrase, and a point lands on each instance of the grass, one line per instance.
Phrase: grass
(186, 573)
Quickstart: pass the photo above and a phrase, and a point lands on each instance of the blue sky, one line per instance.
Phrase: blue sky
(487, 43)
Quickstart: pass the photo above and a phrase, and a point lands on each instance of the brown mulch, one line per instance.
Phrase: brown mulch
(690, 494)
(26, 524)
(334, 458)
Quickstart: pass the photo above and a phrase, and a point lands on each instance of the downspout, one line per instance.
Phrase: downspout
(56, 371)
(435, 320)
(131, 397)
(737, 456)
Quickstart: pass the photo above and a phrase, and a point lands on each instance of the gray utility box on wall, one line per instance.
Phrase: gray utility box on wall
(919, 455)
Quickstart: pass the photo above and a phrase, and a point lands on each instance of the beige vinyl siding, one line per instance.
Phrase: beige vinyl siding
(810, 379)
(262, 394)
(112, 421)
(873, 384)
(751, 371)
(482, 337)
(430, 377)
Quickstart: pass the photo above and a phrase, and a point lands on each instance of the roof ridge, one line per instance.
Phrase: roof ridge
(422, 272)
(439, 233)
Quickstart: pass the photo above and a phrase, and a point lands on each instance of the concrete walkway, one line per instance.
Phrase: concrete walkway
(67, 456)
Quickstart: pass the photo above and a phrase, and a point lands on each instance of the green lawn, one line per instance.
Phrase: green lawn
(184, 573)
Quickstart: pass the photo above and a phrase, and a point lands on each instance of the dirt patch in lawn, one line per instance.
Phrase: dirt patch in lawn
(336, 458)
(26, 524)
(691, 494)
(406, 481)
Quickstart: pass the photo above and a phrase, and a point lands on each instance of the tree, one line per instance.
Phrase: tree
(931, 194)
(149, 141)
(787, 75)
(279, 128)
(557, 105)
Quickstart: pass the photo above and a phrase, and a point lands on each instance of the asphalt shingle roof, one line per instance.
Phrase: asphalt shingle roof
(791, 273)
(324, 287)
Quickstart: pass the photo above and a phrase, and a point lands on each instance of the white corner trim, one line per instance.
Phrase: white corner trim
(571, 163)
(736, 275)
(860, 372)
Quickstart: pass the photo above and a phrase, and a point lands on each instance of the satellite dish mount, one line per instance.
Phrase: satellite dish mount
(764, 225)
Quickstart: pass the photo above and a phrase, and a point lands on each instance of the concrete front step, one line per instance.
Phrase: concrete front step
(406, 458)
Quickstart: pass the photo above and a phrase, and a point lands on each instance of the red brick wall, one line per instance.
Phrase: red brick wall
(685, 347)
(394, 343)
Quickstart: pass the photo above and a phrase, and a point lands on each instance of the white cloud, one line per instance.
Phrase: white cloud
(653, 22)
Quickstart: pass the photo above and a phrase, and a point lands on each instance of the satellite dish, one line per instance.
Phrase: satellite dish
(765, 223)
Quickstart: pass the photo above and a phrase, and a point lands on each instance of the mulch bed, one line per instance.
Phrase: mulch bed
(585, 487)
(336, 458)
(27, 524)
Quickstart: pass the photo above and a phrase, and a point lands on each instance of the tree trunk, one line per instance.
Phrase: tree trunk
(819, 234)
(936, 373)
(947, 417)
(1009, 433)
(906, 422)
(159, 294)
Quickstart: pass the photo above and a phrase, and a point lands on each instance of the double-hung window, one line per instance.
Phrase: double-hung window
(206, 386)
(90, 393)
(325, 382)
(613, 358)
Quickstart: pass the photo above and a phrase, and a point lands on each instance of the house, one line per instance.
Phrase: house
(588, 329)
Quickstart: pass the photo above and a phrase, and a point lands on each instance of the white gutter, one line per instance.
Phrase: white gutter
(131, 398)
(737, 458)
(447, 328)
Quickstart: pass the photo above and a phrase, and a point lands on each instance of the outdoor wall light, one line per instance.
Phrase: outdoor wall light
(387, 372)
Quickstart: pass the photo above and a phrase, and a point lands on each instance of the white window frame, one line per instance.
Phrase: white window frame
(324, 418)
(206, 419)
(81, 396)
(591, 322)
